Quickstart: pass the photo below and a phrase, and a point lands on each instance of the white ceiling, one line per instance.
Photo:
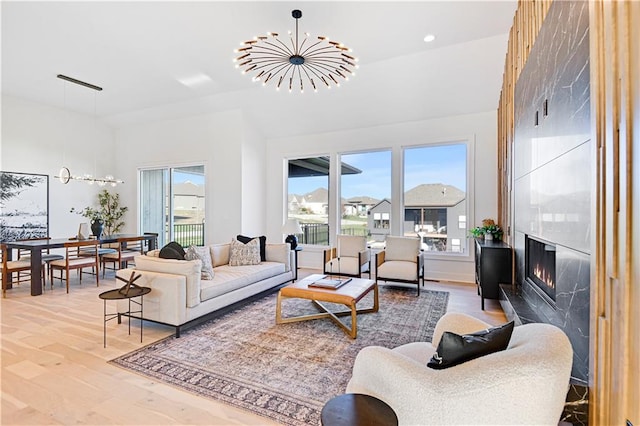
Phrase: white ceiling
(138, 51)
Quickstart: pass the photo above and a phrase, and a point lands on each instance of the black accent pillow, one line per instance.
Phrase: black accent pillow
(263, 242)
(173, 250)
(455, 349)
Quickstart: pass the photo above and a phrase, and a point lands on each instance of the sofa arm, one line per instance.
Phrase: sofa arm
(279, 253)
(166, 303)
(458, 323)
(190, 269)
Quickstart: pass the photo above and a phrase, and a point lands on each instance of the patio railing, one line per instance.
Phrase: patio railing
(314, 233)
(190, 234)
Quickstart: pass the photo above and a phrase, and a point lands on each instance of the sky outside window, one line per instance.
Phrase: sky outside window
(439, 164)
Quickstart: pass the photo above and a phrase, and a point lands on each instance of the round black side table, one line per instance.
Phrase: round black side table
(355, 409)
(122, 294)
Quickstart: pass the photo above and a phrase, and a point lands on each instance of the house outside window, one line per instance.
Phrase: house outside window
(308, 198)
(365, 180)
(435, 196)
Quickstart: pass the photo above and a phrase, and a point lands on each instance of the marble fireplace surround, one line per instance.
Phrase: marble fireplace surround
(552, 176)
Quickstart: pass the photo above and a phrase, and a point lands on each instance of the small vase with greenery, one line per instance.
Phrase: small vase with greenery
(488, 227)
(109, 212)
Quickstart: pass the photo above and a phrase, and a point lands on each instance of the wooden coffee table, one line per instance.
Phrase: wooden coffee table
(348, 295)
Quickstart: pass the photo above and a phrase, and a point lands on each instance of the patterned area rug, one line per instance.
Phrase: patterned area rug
(285, 372)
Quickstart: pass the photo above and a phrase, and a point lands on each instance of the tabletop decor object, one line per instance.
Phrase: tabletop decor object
(110, 213)
(489, 230)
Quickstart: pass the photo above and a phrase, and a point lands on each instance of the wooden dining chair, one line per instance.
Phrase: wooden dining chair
(74, 259)
(152, 242)
(20, 267)
(127, 249)
(47, 256)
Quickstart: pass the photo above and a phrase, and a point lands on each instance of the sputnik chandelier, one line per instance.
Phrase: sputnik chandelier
(296, 64)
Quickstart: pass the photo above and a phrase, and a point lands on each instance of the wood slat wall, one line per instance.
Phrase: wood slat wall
(614, 28)
(614, 35)
(526, 25)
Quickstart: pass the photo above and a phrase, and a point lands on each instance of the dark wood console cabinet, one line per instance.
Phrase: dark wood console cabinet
(493, 267)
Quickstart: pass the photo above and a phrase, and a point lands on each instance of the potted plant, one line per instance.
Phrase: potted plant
(108, 216)
(489, 230)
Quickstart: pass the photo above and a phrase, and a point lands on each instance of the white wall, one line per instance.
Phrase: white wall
(478, 128)
(36, 138)
(215, 140)
(254, 184)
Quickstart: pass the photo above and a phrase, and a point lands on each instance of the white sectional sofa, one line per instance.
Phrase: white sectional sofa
(179, 295)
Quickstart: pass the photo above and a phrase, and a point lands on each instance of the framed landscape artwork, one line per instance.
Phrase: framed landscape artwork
(24, 206)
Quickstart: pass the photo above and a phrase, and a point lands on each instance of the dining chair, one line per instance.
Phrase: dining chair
(153, 242)
(127, 248)
(47, 256)
(74, 259)
(20, 267)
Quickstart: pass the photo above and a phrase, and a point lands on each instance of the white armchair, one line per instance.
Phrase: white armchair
(400, 261)
(351, 257)
(525, 384)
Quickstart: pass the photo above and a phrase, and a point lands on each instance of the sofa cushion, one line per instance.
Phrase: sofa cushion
(229, 278)
(204, 255)
(263, 243)
(173, 250)
(219, 254)
(187, 268)
(401, 248)
(455, 349)
(279, 252)
(241, 254)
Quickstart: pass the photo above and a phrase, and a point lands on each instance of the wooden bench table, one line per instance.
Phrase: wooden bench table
(348, 295)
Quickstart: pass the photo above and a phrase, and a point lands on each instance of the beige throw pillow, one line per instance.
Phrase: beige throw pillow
(202, 254)
(244, 254)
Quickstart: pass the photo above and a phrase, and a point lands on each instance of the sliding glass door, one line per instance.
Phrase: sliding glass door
(172, 204)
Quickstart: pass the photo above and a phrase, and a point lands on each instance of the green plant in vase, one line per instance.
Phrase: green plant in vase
(109, 214)
(489, 230)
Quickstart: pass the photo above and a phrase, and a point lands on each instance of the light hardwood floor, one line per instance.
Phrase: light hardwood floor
(55, 370)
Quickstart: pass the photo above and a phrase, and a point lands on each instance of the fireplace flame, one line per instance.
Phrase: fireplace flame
(544, 276)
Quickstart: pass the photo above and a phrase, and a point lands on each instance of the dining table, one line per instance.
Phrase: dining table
(36, 247)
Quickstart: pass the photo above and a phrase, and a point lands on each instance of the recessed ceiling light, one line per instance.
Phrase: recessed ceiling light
(429, 38)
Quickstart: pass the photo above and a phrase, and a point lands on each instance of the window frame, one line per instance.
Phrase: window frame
(397, 190)
(470, 155)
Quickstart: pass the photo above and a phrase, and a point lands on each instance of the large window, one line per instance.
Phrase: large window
(425, 197)
(308, 198)
(173, 204)
(365, 189)
(435, 196)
